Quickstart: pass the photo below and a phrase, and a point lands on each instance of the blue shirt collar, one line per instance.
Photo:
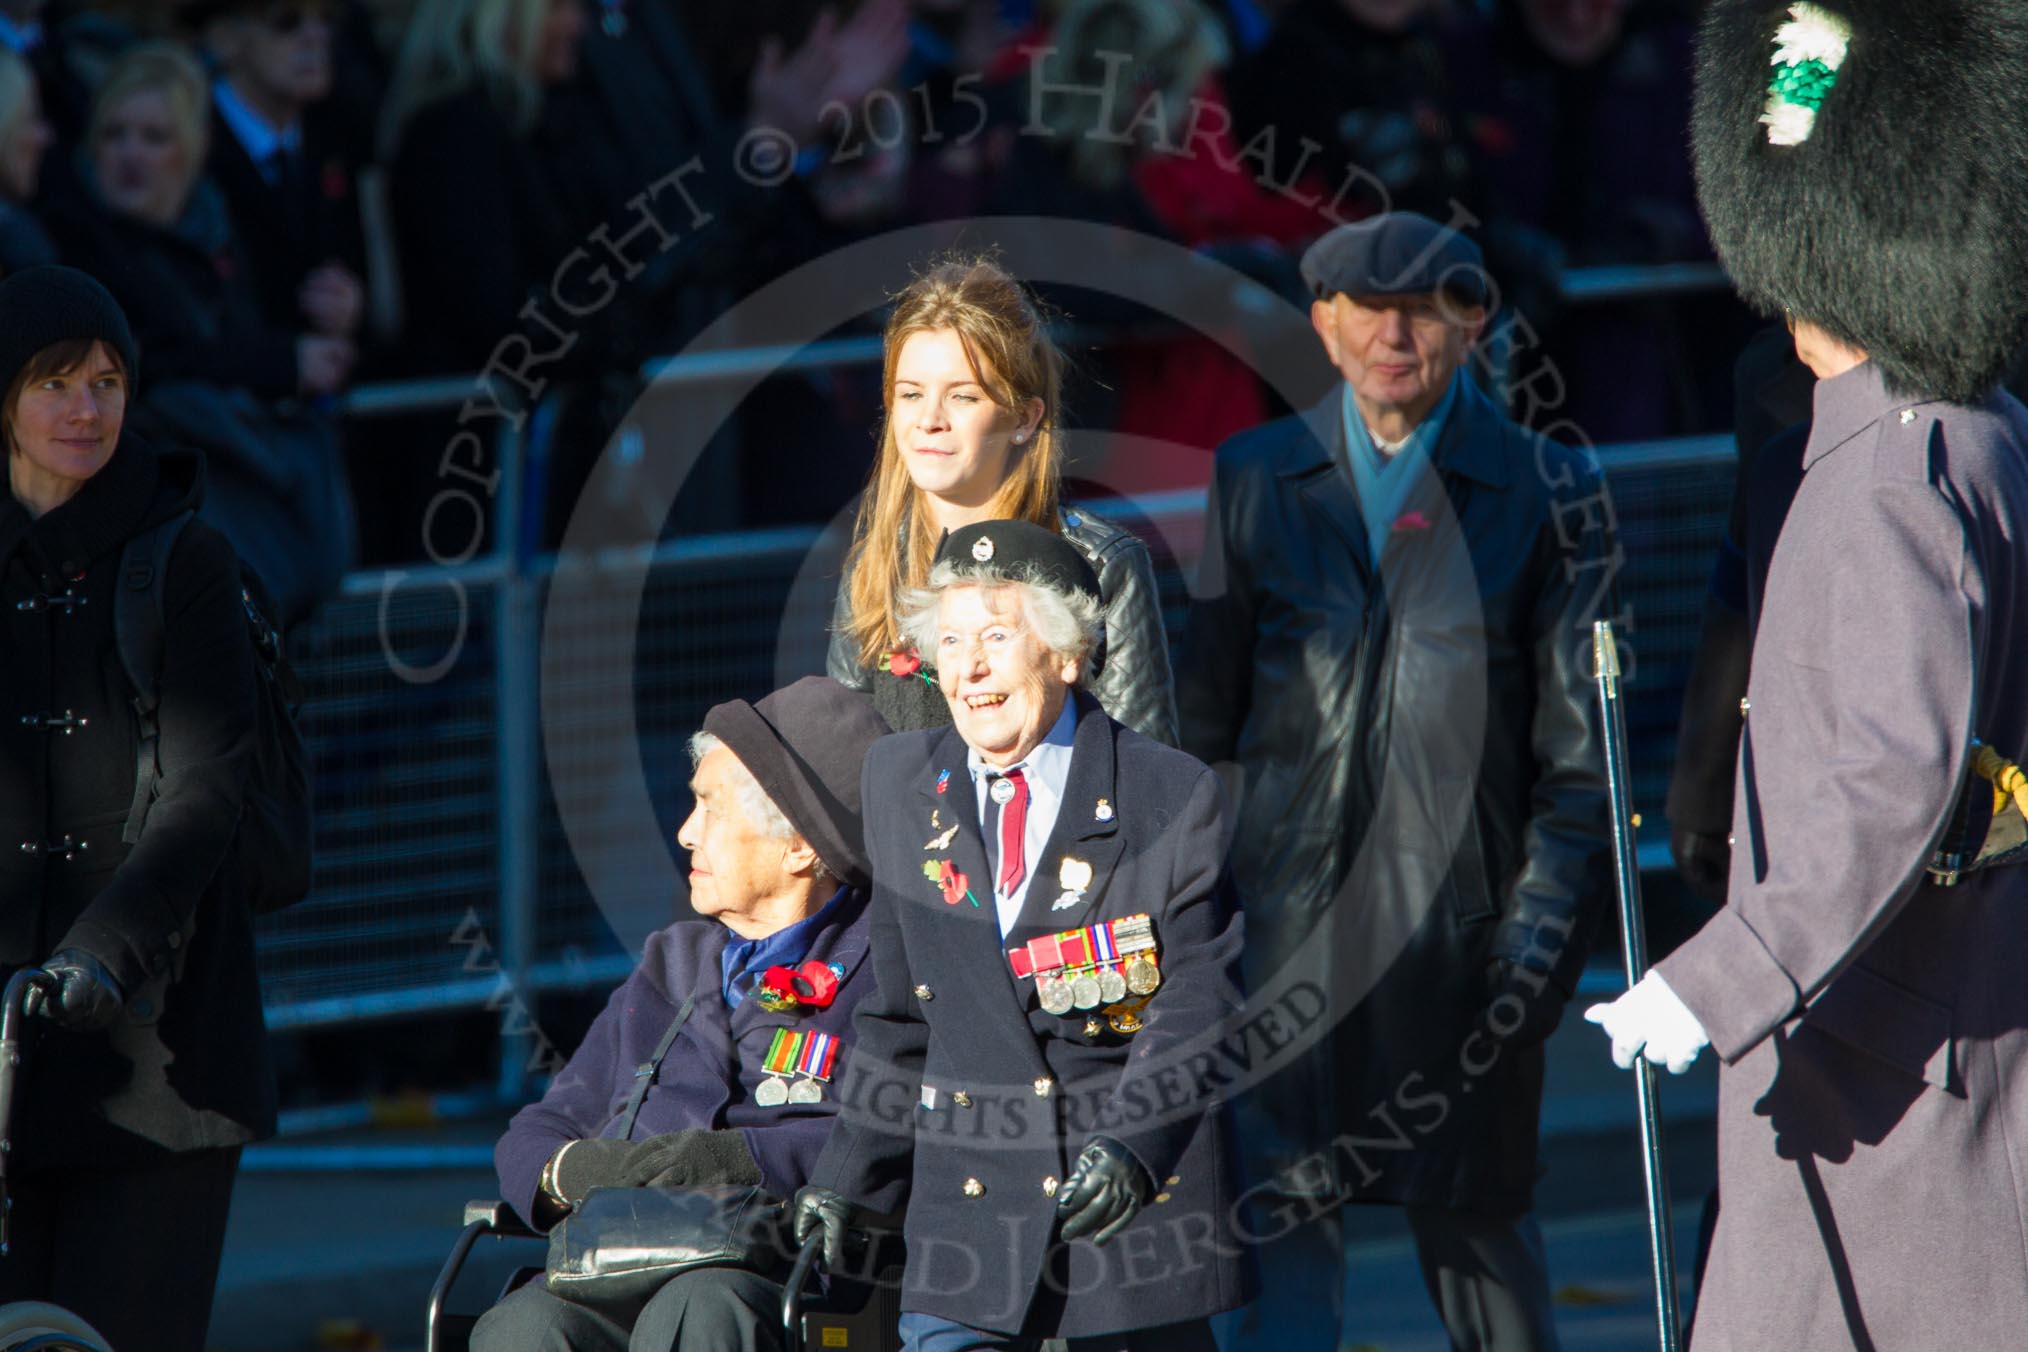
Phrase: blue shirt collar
(745, 959)
(262, 141)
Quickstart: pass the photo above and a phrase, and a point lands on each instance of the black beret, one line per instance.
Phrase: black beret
(806, 746)
(46, 305)
(1879, 194)
(1397, 254)
(1023, 550)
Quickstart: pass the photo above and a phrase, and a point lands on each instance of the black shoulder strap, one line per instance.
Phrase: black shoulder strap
(645, 1073)
(139, 619)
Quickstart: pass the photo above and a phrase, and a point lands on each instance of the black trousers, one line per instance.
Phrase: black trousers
(704, 1310)
(134, 1252)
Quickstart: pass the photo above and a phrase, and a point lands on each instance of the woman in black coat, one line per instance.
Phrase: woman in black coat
(149, 1070)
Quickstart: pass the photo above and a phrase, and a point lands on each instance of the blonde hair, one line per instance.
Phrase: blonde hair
(455, 45)
(1015, 359)
(166, 68)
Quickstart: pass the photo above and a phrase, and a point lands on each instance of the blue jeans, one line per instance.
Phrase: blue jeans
(932, 1333)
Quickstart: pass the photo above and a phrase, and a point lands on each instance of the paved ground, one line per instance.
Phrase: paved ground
(345, 1260)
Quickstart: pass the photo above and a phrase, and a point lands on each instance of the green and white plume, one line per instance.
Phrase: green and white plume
(1809, 49)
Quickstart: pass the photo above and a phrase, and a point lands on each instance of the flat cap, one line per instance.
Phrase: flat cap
(1023, 551)
(1399, 253)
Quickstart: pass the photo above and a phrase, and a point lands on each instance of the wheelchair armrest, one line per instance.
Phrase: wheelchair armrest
(498, 1218)
(481, 1219)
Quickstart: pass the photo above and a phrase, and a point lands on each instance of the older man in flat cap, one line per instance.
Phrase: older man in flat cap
(1388, 639)
(742, 1020)
(1863, 983)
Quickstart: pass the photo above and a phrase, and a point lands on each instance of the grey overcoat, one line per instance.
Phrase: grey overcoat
(1873, 1108)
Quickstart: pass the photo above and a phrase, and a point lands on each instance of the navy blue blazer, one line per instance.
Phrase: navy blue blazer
(968, 1103)
(709, 1075)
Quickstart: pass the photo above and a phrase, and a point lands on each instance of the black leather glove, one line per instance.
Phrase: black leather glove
(1541, 1004)
(820, 1209)
(86, 995)
(1703, 862)
(1107, 1189)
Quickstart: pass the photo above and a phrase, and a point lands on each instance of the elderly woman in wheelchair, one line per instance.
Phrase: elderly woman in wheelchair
(713, 1067)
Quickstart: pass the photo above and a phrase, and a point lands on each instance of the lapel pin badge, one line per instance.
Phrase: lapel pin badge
(1104, 811)
(943, 781)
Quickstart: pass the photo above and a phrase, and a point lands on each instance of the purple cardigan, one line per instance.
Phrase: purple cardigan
(709, 1075)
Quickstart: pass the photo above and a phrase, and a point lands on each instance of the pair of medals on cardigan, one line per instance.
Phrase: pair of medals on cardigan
(805, 1054)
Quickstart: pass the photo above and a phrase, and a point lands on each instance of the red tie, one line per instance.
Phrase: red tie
(1013, 830)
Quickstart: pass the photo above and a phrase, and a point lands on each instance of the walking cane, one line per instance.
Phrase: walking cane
(1634, 943)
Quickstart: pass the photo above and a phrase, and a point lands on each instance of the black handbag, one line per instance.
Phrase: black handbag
(621, 1245)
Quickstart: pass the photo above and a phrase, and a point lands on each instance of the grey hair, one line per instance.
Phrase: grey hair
(753, 800)
(1069, 623)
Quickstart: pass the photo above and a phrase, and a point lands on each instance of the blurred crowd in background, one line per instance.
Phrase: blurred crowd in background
(294, 197)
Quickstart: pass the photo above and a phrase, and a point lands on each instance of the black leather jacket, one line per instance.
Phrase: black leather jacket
(1129, 674)
(1420, 774)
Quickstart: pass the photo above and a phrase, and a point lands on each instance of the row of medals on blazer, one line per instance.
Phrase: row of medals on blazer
(1110, 968)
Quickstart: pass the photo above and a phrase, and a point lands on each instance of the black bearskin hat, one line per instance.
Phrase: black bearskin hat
(1874, 180)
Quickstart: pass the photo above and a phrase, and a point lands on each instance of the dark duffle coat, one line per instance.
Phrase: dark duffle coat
(1873, 1107)
(969, 1102)
(709, 1076)
(186, 1068)
(1421, 781)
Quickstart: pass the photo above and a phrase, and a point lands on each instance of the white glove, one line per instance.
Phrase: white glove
(1650, 1018)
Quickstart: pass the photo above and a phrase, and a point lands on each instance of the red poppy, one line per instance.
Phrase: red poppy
(906, 663)
(955, 885)
(813, 984)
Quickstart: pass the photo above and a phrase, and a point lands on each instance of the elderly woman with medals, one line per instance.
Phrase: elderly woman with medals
(1055, 948)
(716, 1061)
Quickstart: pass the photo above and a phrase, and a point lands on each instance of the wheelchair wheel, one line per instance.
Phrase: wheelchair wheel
(33, 1326)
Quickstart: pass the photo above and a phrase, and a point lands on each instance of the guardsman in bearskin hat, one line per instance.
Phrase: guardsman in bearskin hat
(1864, 168)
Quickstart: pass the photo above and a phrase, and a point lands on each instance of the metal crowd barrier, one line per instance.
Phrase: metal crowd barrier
(444, 880)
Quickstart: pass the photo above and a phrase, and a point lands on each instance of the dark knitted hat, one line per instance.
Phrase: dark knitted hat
(1863, 165)
(806, 745)
(43, 306)
(1020, 549)
(1398, 254)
